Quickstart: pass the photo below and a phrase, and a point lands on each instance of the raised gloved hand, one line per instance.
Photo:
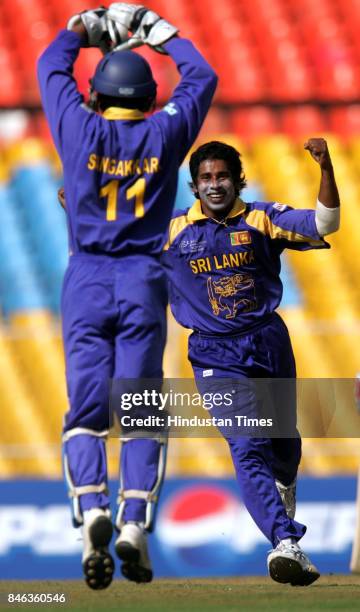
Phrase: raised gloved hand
(155, 31)
(128, 15)
(147, 26)
(99, 30)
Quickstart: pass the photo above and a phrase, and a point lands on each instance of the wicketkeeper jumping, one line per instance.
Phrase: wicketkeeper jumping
(120, 178)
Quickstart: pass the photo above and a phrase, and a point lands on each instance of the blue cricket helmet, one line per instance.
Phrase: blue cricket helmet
(124, 74)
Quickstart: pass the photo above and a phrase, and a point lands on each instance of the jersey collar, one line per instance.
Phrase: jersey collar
(128, 114)
(196, 214)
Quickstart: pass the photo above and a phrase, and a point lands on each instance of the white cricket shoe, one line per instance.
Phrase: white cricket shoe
(98, 564)
(288, 497)
(131, 548)
(287, 563)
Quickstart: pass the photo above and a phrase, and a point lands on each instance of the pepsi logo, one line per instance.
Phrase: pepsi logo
(196, 528)
(198, 514)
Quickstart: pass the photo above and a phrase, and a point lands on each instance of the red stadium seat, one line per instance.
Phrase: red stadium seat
(41, 128)
(303, 121)
(330, 49)
(341, 81)
(217, 122)
(290, 81)
(245, 85)
(181, 14)
(349, 10)
(253, 122)
(346, 120)
(11, 91)
(280, 50)
(31, 34)
(164, 71)
(66, 8)
(84, 69)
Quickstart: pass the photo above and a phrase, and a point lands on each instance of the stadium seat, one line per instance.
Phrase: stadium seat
(345, 120)
(217, 122)
(290, 81)
(164, 71)
(11, 92)
(41, 214)
(33, 225)
(281, 171)
(21, 414)
(354, 152)
(38, 352)
(181, 14)
(20, 286)
(252, 122)
(304, 121)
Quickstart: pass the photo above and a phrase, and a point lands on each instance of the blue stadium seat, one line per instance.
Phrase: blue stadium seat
(45, 222)
(19, 286)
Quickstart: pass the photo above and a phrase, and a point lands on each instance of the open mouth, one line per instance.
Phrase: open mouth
(216, 197)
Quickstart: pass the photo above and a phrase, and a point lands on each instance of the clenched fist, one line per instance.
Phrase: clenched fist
(320, 152)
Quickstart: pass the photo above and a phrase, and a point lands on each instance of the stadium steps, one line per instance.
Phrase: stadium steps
(19, 284)
(24, 433)
(36, 347)
(328, 457)
(41, 218)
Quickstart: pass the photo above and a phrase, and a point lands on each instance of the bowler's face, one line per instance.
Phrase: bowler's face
(216, 187)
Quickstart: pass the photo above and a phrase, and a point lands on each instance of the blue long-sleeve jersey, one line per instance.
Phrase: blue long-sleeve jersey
(120, 168)
(225, 278)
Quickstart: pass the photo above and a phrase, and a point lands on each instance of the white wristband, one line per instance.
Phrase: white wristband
(327, 219)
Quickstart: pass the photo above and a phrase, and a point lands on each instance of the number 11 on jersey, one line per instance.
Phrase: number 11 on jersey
(137, 191)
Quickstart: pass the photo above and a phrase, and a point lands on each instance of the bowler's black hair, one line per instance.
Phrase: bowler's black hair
(219, 150)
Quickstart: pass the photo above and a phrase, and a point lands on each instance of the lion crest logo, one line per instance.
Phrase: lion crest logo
(225, 294)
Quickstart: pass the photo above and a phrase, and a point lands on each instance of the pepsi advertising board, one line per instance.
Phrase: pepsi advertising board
(203, 529)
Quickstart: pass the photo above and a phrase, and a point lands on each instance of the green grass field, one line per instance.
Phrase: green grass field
(329, 593)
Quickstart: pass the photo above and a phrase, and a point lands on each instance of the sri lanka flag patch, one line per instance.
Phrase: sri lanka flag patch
(237, 238)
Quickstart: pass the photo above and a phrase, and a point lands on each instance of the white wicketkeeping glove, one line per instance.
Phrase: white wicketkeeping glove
(101, 31)
(147, 27)
(155, 31)
(128, 15)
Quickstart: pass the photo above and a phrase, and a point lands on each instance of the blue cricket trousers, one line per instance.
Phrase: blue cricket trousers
(114, 326)
(265, 352)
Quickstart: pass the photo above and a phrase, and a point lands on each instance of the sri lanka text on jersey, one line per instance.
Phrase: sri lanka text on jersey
(219, 262)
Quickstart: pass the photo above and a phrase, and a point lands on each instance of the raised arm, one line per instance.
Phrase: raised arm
(60, 97)
(59, 94)
(328, 192)
(327, 216)
(193, 95)
(185, 112)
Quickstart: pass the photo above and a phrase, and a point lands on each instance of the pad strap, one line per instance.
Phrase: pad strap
(150, 497)
(79, 431)
(76, 491)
